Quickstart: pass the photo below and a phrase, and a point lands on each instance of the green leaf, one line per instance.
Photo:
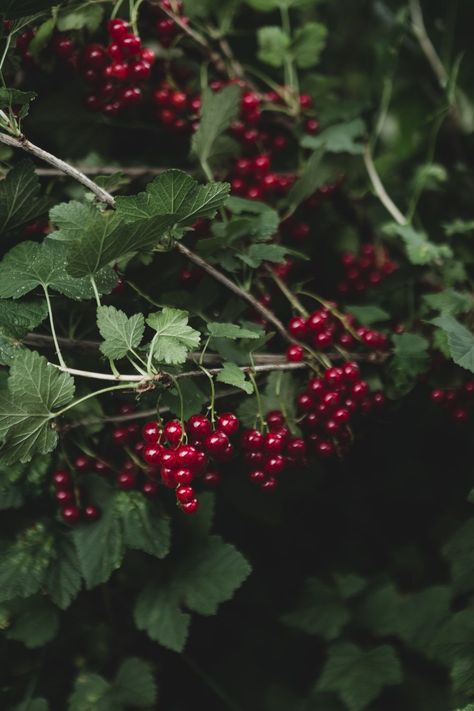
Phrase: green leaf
(260, 220)
(231, 330)
(273, 45)
(410, 359)
(341, 138)
(37, 704)
(259, 253)
(449, 301)
(121, 333)
(63, 581)
(308, 44)
(11, 495)
(206, 574)
(314, 176)
(460, 340)
(42, 37)
(16, 320)
(459, 227)
(10, 98)
(320, 611)
(218, 111)
(88, 16)
(350, 584)
(462, 676)
(174, 337)
(29, 265)
(35, 390)
(128, 520)
(231, 374)
(24, 563)
(174, 197)
(280, 394)
(35, 623)
(134, 684)
(19, 201)
(419, 249)
(459, 552)
(368, 315)
(357, 676)
(92, 693)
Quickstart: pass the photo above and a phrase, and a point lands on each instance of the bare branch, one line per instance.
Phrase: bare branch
(379, 189)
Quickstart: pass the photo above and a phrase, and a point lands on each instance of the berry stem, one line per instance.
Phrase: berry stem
(89, 397)
(379, 189)
(53, 328)
(292, 298)
(96, 292)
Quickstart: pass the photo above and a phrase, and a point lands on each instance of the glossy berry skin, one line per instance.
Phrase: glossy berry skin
(211, 478)
(151, 432)
(117, 28)
(126, 480)
(257, 476)
(187, 457)
(61, 479)
(64, 496)
(183, 477)
(269, 484)
(91, 513)
(296, 448)
(120, 436)
(190, 507)
(184, 494)
(437, 396)
(274, 465)
(71, 514)
(150, 489)
(297, 327)
(169, 459)
(275, 419)
(173, 431)
(152, 454)
(254, 459)
(82, 464)
(295, 354)
(252, 441)
(273, 444)
(198, 427)
(228, 423)
(217, 443)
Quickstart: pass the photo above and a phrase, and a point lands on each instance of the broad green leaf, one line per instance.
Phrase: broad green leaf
(259, 253)
(341, 138)
(314, 176)
(87, 16)
(449, 301)
(358, 676)
(218, 111)
(273, 45)
(410, 359)
(200, 580)
(35, 390)
(368, 315)
(175, 198)
(16, 320)
(419, 249)
(11, 494)
(20, 203)
(259, 220)
(231, 374)
(92, 693)
(460, 340)
(308, 44)
(63, 580)
(42, 37)
(231, 330)
(174, 337)
(24, 563)
(134, 684)
(30, 265)
(121, 333)
(128, 520)
(320, 611)
(459, 551)
(34, 622)
(10, 98)
(462, 676)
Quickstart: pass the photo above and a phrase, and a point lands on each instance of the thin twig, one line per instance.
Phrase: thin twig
(379, 189)
(130, 171)
(163, 376)
(59, 164)
(218, 276)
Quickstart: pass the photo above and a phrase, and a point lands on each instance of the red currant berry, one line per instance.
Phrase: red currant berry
(211, 479)
(254, 459)
(150, 489)
(126, 480)
(252, 440)
(153, 454)
(63, 47)
(151, 432)
(117, 28)
(295, 354)
(94, 56)
(305, 101)
(183, 477)
(140, 71)
(325, 448)
(61, 478)
(437, 396)
(275, 419)
(71, 514)
(131, 44)
(184, 494)
(275, 464)
(257, 476)
(64, 496)
(297, 327)
(190, 507)
(269, 484)
(228, 423)
(120, 436)
(173, 431)
(187, 457)
(273, 443)
(198, 427)
(82, 464)
(91, 513)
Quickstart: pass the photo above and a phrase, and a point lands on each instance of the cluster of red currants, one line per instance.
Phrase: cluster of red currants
(457, 401)
(268, 455)
(329, 403)
(66, 497)
(323, 329)
(364, 270)
(167, 29)
(179, 463)
(176, 110)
